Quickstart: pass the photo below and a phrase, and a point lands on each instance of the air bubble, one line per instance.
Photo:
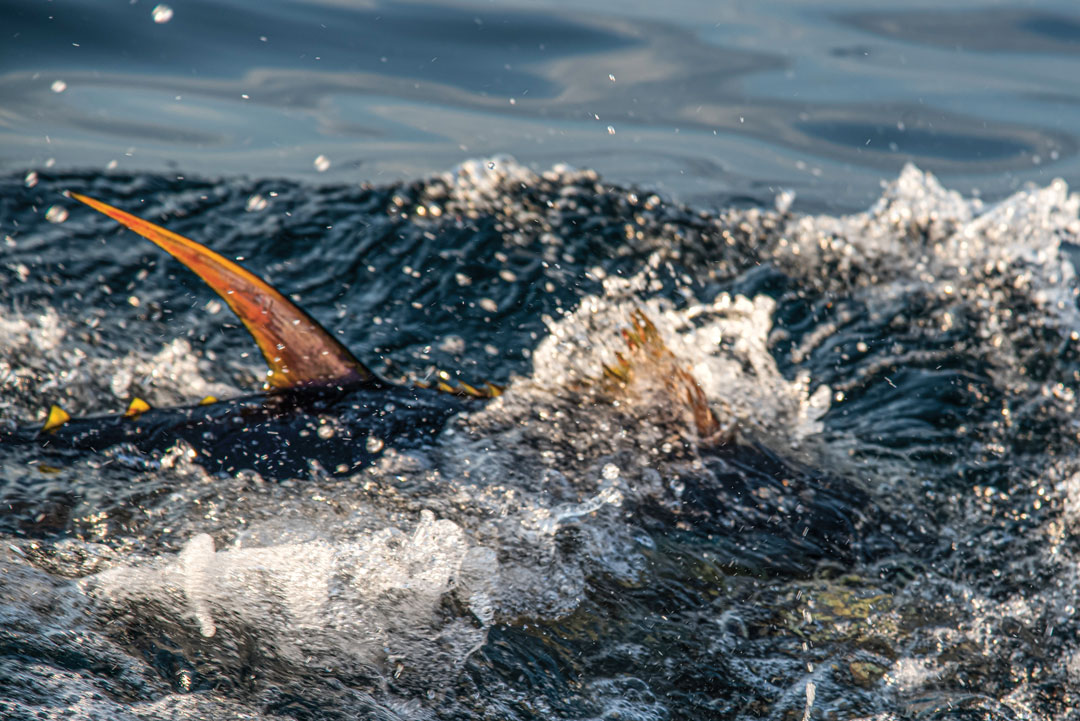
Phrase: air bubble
(58, 86)
(322, 163)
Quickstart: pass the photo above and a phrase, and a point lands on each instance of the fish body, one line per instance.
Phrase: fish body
(282, 434)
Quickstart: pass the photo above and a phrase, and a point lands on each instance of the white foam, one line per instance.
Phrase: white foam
(358, 603)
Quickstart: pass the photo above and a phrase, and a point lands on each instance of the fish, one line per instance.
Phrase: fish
(319, 403)
(322, 410)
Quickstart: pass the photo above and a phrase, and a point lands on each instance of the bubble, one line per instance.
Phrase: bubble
(373, 444)
(611, 130)
(56, 214)
(256, 203)
(610, 472)
(489, 305)
(58, 86)
(161, 14)
(326, 432)
(322, 163)
(491, 165)
(31, 179)
(611, 77)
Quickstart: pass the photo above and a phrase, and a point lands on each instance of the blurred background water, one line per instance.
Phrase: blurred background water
(703, 100)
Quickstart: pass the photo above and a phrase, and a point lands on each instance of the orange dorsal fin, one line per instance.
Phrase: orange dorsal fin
(297, 349)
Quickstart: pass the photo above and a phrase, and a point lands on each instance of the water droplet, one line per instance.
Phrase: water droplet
(610, 472)
(161, 14)
(56, 214)
(58, 86)
(374, 445)
(489, 305)
(111, 165)
(491, 165)
(610, 130)
(322, 163)
(611, 77)
(256, 203)
(645, 540)
(325, 432)
(31, 179)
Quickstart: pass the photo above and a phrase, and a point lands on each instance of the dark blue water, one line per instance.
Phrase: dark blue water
(879, 524)
(704, 100)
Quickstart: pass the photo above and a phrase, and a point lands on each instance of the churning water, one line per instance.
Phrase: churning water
(886, 526)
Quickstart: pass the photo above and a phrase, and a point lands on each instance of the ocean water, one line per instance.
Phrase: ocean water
(782, 297)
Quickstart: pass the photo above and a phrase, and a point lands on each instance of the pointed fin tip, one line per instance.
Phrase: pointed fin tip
(57, 417)
(297, 349)
(136, 408)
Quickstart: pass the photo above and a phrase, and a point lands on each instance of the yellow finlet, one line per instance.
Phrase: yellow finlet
(136, 408)
(208, 400)
(57, 417)
(472, 390)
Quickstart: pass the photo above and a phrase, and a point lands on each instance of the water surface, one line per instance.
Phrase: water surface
(882, 528)
(703, 100)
